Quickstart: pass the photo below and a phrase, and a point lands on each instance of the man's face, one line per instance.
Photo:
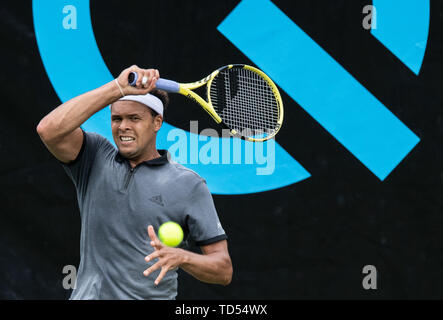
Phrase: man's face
(133, 128)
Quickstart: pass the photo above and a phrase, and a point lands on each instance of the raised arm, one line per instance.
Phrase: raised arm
(60, 129)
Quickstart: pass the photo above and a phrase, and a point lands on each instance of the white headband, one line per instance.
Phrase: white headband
(148, 100)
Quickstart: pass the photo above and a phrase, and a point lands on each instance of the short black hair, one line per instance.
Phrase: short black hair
(164, 97)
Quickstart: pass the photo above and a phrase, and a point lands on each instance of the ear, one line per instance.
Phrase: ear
(158, 121)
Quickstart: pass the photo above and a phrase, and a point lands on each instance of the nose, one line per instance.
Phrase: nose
(124, 125)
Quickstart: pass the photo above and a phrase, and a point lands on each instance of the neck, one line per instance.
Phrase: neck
(151, 153)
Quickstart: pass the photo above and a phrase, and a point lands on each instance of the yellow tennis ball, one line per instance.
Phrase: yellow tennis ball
(170, 233)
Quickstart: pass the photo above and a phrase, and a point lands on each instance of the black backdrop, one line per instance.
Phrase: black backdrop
(309, 240)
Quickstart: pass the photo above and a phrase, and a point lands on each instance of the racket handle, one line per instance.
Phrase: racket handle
(162, 84)
(167, 85)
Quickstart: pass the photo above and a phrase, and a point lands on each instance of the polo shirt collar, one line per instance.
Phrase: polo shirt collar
(163, 159)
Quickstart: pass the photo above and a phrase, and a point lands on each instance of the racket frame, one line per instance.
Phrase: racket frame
(186, 90)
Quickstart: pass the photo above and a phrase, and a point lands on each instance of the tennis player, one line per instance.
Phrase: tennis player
(125, 194)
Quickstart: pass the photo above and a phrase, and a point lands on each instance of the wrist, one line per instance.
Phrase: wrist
(120, 88)
(184, 257)
(111, 91)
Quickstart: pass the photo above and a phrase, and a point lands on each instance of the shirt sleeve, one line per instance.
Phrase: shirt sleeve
(79, 169)
(202, 219)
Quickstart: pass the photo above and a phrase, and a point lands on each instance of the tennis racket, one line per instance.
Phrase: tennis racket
(240, 98)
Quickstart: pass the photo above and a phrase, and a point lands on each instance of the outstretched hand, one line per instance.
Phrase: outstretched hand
(168, 258)
(140, 88)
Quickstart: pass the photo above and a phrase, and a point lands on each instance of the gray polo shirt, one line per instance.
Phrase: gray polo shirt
(118, 203)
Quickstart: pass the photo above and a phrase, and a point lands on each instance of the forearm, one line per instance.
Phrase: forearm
(71, 114)
(211, 268)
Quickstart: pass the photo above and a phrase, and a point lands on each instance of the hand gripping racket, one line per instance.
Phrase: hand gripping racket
(240, 98)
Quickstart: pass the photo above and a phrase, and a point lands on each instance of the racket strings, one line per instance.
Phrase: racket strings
(245, 102)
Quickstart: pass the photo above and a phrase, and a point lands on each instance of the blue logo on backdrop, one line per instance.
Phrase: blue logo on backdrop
(332, 96)
(309, 75)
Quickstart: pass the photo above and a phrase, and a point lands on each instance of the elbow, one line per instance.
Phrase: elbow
(227, 280)
(44, 131)
(228, 275)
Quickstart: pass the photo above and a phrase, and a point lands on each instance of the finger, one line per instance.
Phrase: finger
(133, 68)
(152, 256)
(144, 81)
(151, 77)
(152, 268)
(141, 74)
(155, 74)
(151, 233)
(151, 83)
(155, 77)
(161, 275)
(155, 242)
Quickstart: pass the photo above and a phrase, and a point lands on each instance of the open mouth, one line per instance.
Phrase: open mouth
(126, 139)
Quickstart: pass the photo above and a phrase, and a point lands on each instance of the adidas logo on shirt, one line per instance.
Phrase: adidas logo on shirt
(158, 200)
